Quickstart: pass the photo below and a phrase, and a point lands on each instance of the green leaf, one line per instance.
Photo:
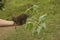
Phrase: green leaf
(39, 29)
(35, 7)
(43, 26)
(29, 25)
(34, 31)
(42, 18)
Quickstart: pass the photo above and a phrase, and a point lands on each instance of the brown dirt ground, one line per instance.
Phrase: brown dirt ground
(5, 32)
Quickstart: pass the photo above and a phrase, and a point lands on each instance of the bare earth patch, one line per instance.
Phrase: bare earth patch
(5, 32)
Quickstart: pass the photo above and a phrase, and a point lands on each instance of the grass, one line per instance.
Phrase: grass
(15, 7)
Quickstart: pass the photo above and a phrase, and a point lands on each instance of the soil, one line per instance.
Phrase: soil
(5, 32)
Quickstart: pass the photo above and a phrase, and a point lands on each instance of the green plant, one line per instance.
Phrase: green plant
(40, 25)
(38, 21)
